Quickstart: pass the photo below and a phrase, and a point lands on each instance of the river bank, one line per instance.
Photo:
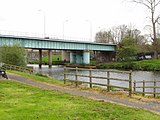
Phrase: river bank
(144, 65)
(47, 83)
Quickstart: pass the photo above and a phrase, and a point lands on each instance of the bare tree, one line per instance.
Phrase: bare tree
(104, 37)
(116, 34)
(113, 35)
(151, 6)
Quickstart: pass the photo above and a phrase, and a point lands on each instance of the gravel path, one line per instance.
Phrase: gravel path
(149, 105)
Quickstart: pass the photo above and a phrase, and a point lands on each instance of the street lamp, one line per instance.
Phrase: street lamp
(63, 27)
(90, 29)
(44, 22)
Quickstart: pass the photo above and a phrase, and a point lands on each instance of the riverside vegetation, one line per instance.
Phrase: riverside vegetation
(56, 60)
(146, 65)
(20, 101)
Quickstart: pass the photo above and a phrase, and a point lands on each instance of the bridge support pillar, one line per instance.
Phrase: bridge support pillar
(40, 58)
(65, 56)
(76, 57)
(50, 58)
(72, 57)
(86, 57)
(80, 57)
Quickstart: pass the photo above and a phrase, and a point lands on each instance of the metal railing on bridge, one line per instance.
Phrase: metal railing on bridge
(38, 35)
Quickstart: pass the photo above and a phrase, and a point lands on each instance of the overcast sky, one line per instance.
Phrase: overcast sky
(77, 16)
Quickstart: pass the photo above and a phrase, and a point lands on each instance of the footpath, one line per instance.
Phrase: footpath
(150, 105)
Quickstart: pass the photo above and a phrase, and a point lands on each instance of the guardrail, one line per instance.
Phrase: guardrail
(142, 85)
(17, 68)
(38, 35)
(91, 76)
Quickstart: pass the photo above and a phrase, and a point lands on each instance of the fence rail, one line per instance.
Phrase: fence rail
(143, 86)
(90, 75)
(17, 68)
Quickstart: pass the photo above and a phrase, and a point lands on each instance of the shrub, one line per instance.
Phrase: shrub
(147, 65)
(14, 55)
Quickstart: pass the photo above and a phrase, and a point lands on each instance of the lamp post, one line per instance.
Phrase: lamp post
(90, 29)
(44, 22)
(63, 27)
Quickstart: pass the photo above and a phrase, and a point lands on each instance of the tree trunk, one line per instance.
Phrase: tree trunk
(155, 42)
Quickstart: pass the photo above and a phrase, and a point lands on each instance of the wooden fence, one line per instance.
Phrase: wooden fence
(107, 77)
(142, 86)
(17, 68)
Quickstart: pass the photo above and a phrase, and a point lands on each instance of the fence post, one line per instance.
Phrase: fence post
(134, 86)
(130, 83)
(65, 72)
(10, 67)
(76, 77)
(90, 77)
(143, 88)
(108, 81)
(154, 88)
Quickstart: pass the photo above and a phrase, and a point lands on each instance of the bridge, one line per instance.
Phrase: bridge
(73, 51)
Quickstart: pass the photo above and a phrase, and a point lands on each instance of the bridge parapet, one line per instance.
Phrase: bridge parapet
(41, 36)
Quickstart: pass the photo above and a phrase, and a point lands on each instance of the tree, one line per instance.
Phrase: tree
(113, 35)
(104, 37)
(127, 39)
(127, 50)
(117, 33)
(126, 53)
(151, 6)
(14, 55)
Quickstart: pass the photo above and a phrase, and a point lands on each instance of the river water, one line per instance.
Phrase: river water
(57, 73)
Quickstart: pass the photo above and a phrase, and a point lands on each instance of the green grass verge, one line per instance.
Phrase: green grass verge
(56, 60)
(146, 65)
(38, 77)
(23, 102)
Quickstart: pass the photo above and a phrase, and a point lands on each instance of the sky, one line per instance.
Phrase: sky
(74, 19)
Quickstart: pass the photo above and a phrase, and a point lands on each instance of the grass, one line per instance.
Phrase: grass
(146, 65)
(56, 60)
(37, 77)
(19, 101)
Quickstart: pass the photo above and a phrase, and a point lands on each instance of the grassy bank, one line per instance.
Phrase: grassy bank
(56, 60)
(38, 77)
(19, 101)
(146, 65)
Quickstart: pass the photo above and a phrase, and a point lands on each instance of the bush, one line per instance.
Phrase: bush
(14, 55)
(146, 65)
(126, 54)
